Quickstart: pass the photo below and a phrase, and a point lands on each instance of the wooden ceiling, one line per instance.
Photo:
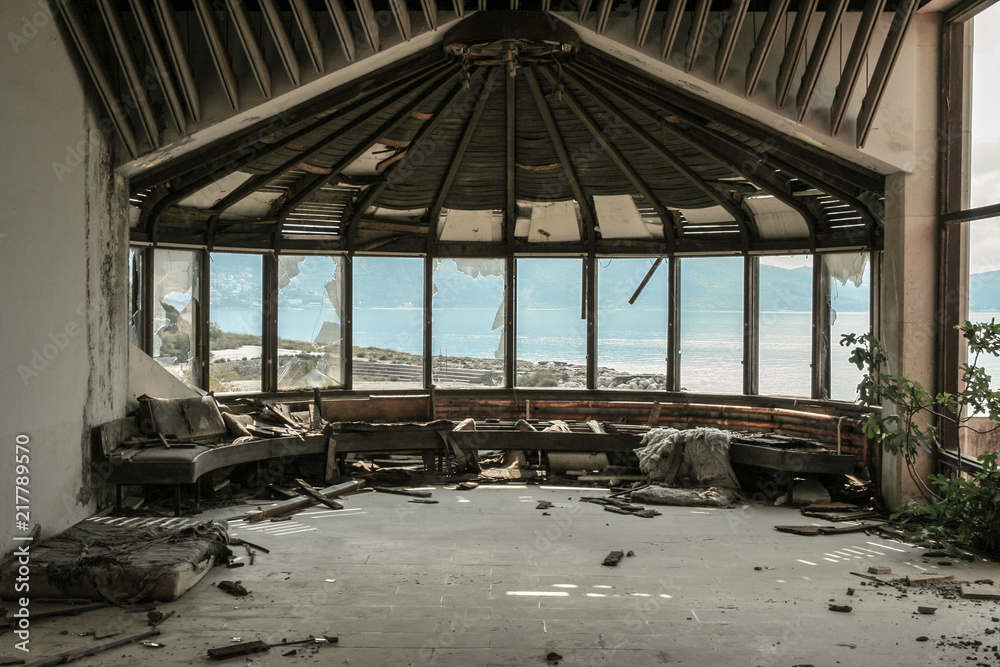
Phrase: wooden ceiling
(503, 114)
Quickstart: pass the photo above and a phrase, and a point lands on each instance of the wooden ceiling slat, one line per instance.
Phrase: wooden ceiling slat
(133, 79)
(730, 36)
(855, 58)
(178, 56)
(430, 13)
(369, 24)
(401, 14)
(510, 159)
(883, 68)
(671, 24)
(582, 14)
(148, 33)
(218, 52)
(95, 67)
(459, 6)
(699, 18)
(603, 13)
(310, 35)
(644, 19)
(793, 49)
(251, 47)
(342, 25)
(764, 42)
(272, 17)
(820, 51)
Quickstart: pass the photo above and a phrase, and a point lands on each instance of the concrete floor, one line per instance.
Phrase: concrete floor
(484, 578)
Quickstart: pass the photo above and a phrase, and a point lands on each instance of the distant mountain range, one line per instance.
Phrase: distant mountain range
(708, 284)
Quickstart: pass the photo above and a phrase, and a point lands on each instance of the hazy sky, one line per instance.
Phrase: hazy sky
(985, 253)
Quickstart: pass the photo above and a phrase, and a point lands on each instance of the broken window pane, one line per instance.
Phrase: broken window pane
(631, 339)
(551, 334)
(468, 324)
(712, 324)
(135, 257)
(175, 305)
(850, 292)
(786, 325)
(310, 314)
(984, 296)
(388, 322)
(236, 325)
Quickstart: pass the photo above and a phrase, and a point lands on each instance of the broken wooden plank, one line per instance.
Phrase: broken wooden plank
(234, 650)
(928, 578)
(980, 592)
(318, 497)
(76, 654)
(840, 516)
(403, 492)
(613, 558)
(299, 502)
(799, 530)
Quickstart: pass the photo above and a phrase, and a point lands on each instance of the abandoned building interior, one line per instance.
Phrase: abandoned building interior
(366, 331)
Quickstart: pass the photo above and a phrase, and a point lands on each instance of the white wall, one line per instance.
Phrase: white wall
(63, 361)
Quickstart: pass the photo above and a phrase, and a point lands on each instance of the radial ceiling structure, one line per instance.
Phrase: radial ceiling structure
(507, 134)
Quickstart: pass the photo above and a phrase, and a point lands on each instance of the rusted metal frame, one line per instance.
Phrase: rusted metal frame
(820, 51)
(218, 52)
(970, 214)
(673, 370)
(967, 9)
(603, 13)
(609, 148)
(342, 26)
(430, 13)
(699, 19)
(401, 14)
(369, 24)
(130, 68)
(203, 342)
(586, 209)
(442, 112)
(428, 342)
(821, 331)
(727, 44)
(855, 58)
(178, 56)
(731, 206)
(98, 74)
(793, 49)
(251, 47)
(751, 325)
(456, 159)
(147, 31)
(310, 35)
(281, 209)
(765, 40)
(269, 335)
(272, 17)
(643, 20)
(348, 319)
(692, 124)
(671, 24)
(147, 300)
(883, 68)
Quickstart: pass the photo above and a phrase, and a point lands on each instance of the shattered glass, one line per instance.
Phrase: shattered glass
(175, 312)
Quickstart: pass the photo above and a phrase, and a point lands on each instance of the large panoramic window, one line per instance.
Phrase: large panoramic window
(631, 338)
(850, 295)
(388, 322)
(712, 324)
(785, 354)
(235, 327)
(468, 312)
(551, 325)
(175, 312)
(310, 317)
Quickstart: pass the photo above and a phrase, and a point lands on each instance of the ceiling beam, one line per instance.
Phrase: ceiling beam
(310, 35)
(98, 75)
(129, 66)
(434, 212)
(671, 24)
(369, 24)
(430, 13)
(855, 58)
(251, 47)
(178, 56)
(644, 19)
(371, 194)
(793, 49)
(402, 16)
(586, 210)
(699, 19)
(603, 14)
(765, 40)
(582, 14)
(820, 51)
(883, 68)
(730, 35)
(272, 17)
(459, 6)
(510, 161)
(147, 31)
(218, 52)
(342, 25)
